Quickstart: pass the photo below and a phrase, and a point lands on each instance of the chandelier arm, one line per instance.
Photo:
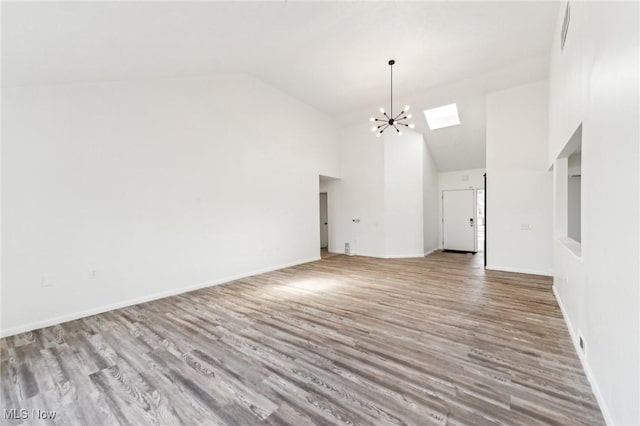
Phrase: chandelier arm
(391, 120)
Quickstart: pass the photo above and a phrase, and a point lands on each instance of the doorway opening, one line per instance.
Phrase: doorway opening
(327, 204)
(324, 223)
(480, 217)
(324, 227)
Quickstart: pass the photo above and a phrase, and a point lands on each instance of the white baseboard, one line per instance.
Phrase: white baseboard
(106, 308)
(431, 251)
(583, 360)
(403, 256)
(396, 256)
(519, 270)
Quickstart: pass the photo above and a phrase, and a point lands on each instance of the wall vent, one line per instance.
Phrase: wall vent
(565, 26)
(582, 343)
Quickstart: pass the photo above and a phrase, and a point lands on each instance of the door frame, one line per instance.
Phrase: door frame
(484, 254)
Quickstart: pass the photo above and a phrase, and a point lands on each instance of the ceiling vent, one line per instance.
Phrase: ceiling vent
(565, 26)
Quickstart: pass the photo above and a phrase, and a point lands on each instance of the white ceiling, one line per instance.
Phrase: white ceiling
(330, 55)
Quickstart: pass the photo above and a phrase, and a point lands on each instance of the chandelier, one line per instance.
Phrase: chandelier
(390, 120)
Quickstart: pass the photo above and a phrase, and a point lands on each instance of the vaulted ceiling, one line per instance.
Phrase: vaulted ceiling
(330, 55)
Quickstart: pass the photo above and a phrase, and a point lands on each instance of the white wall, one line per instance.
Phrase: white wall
(461, 179)
(519, 187)
(359, 194)
(595, 82)
(381, 185)
(431, 201)
(157, 186)
(403, 203)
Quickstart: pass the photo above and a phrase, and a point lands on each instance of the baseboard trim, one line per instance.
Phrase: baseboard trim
(396, 256)
(431, 251)
(585, 364)
(118, 305)
(403, 256)
(519, 270)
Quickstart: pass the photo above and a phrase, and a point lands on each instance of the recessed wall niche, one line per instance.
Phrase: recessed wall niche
(569, 192)
(574, 178)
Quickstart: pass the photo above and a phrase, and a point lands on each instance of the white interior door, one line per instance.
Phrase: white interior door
(459, 220)
(324, 225)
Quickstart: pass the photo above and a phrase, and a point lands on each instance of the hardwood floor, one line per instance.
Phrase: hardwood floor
(325, 253)
(345, 340)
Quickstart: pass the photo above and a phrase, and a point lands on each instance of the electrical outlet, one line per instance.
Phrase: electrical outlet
(45, 282)
(525, 227)
(92, 274)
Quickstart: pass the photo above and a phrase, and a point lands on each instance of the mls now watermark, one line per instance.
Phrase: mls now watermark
(24, 414)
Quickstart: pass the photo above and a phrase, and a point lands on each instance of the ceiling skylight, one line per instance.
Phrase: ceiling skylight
(444, 116)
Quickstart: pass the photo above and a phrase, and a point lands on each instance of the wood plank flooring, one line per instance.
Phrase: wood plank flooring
(325, 253)
(345, 340)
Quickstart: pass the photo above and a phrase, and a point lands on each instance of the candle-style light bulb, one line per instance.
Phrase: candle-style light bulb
(372, 119)
(382, 110)
(412, 126)
(406, 108)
